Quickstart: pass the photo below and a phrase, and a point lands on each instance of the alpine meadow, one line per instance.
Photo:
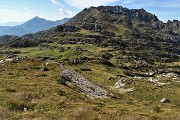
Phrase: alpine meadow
(106, 62)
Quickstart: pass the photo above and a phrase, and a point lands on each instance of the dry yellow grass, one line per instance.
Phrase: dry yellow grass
(26, 85)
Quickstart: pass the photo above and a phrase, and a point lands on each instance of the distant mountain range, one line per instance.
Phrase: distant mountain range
(34, 25)
(12, 24)
(4, 28)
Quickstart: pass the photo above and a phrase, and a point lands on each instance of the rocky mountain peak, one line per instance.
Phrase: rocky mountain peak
(139, 14)
(110, 20)
(115, 14)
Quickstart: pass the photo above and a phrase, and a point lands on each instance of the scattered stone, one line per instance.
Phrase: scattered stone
(47, 63)
(25, 109)
(160, 84)
(9, 60)
(109, 78)
(164, 100)
(11, 55)
(119, 86)
(2, 61)
(85, 69)
(151, 74)
(154, 81)
(19, 58)
(172, 75)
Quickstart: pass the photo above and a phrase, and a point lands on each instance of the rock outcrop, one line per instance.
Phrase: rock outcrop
(86, 86)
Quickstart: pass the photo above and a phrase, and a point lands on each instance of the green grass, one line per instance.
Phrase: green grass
(87, 32)
(26, 84)
(119, 30)
(44, 52)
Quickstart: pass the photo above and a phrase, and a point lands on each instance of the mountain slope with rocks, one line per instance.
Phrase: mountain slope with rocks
(106, 63)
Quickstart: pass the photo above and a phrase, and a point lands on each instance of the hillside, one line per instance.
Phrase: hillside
(34, 25)
(136, 31)
(3, 28)
(106, 63)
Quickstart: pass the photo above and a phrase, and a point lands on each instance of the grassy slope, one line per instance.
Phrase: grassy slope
(24, 84)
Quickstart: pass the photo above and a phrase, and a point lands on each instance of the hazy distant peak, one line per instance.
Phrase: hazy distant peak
(11, 24)
(33, 25)
(36, 19)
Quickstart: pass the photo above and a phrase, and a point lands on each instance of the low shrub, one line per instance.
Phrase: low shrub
(61, 92)
(157, 109)
(62, 81)
(45, 68)
(19, 105)
(10, 90)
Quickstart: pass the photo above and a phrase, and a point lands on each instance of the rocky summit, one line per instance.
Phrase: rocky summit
(105, 63)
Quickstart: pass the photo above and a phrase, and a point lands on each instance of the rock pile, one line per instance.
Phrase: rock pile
(86, 86)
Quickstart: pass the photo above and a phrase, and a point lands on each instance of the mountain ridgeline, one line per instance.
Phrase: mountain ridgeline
(119, 20)
(34, 25)
(133, 31)
(114, 14)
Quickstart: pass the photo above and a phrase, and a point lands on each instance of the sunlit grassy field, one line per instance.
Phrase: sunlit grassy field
(30, 89)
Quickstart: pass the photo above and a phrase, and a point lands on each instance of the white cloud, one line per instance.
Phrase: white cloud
(87, 3)
(65, 12)
(9, 15)
(128, 1)
(27, 10)
(55, 2)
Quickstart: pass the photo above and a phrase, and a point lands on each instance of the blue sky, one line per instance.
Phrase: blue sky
(23, 10)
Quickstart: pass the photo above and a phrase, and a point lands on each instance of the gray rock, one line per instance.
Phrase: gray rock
(119, 85)
(2, 61)
(87, 87)
(25, 109)
(85, 69)
(164, 100)
(109, 78)
(91, 20)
